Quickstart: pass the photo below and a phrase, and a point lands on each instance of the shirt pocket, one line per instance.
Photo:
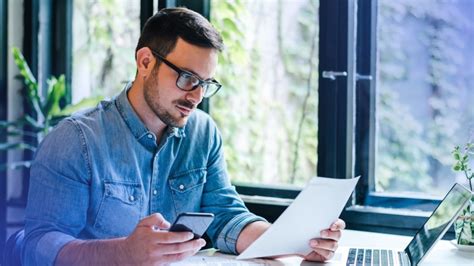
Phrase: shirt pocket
(186, 189)
(120, 209)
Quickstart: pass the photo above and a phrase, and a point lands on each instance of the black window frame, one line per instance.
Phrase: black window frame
(335, 111)
(371, 210)
(346, 139)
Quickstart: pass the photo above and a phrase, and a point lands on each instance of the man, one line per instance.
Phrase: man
(106, 183)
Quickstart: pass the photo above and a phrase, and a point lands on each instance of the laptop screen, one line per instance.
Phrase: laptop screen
(438, 223)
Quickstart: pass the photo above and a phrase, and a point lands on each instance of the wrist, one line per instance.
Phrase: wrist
(122, 251)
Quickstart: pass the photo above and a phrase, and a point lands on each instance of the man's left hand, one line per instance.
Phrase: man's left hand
(325, 246)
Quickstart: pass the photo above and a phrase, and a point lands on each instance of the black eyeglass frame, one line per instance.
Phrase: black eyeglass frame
(180, 71)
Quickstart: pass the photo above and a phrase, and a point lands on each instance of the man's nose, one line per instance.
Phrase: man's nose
(195, 96)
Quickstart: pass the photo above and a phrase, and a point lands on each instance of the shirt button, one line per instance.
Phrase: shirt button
(150, 136)
(155, 192)
(181, 187)
(132, 198)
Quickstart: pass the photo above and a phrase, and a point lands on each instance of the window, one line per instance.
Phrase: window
(424, 94)
(267, 108)
(105, 34)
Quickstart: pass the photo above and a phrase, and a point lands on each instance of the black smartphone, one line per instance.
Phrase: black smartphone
(194, 222)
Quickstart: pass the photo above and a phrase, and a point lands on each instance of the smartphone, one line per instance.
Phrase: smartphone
(194, 222)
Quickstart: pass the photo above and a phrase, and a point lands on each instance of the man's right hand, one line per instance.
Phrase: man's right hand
(151, 244)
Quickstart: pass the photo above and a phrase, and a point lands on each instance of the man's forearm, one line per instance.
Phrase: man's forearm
(250, 233)
(93, 252)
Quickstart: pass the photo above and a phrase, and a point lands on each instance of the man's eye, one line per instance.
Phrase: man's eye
(193, 80)
(189, 78)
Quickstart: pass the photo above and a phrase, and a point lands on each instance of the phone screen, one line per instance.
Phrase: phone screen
(194, 222)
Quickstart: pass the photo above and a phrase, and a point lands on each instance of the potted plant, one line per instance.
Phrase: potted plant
(45, 112)
(464, 224)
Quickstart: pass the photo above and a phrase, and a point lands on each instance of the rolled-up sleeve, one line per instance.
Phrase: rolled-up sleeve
(221, 199)
(58, 196)
(227, 239)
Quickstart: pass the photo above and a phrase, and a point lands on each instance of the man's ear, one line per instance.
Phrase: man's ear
(145, 62)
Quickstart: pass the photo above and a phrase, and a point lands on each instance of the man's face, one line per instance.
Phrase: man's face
(170, 104)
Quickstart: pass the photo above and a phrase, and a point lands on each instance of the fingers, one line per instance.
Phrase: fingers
(326, 244)
(334, 231)
(165, 237)
(149, 245)
(156, 220)
(178, 248)
(329, 234)
(177, 252)
(338, 225)
(319, 255)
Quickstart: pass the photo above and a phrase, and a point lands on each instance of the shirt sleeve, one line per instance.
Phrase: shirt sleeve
(221, 199)
(58, 182)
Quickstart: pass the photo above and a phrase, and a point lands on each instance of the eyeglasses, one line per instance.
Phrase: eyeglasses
(187, 81)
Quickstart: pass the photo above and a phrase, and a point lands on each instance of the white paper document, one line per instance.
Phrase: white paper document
(314, 209)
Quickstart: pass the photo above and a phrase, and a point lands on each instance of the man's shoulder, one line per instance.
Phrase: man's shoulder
(88, 120)
(103, 116)
(94, 114)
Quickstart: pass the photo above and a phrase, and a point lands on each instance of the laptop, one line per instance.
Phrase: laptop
(433, 229)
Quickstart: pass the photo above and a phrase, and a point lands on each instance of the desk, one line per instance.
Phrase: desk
(444, 253)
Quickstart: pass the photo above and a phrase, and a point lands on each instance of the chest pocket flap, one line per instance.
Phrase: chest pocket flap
(128, 193)
(188, 180)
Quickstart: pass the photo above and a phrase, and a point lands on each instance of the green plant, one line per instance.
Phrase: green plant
(464, 224)
(461, 164)
(44, 112)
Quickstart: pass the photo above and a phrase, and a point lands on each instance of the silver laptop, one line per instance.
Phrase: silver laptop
(434, 228)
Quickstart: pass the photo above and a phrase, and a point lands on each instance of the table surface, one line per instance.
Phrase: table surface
(443, 253)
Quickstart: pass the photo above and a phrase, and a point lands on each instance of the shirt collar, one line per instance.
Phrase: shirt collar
(134, 123)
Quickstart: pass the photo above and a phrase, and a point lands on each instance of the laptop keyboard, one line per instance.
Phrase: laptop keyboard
(366, 257)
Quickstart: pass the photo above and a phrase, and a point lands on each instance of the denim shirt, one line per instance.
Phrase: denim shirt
(97, 174)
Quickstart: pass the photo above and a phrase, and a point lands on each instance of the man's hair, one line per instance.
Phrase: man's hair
(161, 31)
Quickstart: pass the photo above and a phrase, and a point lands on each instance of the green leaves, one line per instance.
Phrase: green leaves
(31, 90)
(461, 163)
(56, 91)
(16, 145)
(45, 112)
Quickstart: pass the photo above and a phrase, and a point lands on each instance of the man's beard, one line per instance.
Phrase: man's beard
(152, 98)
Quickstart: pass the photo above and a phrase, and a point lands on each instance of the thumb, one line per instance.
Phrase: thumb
(156, 221)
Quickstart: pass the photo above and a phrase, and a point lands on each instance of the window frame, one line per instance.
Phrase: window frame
(366, 117)
(368, 203)
(335, 111)
(344, 122)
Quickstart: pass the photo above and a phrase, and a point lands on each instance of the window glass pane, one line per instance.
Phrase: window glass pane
(267, 108)
(105, 33)
(425, 92)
